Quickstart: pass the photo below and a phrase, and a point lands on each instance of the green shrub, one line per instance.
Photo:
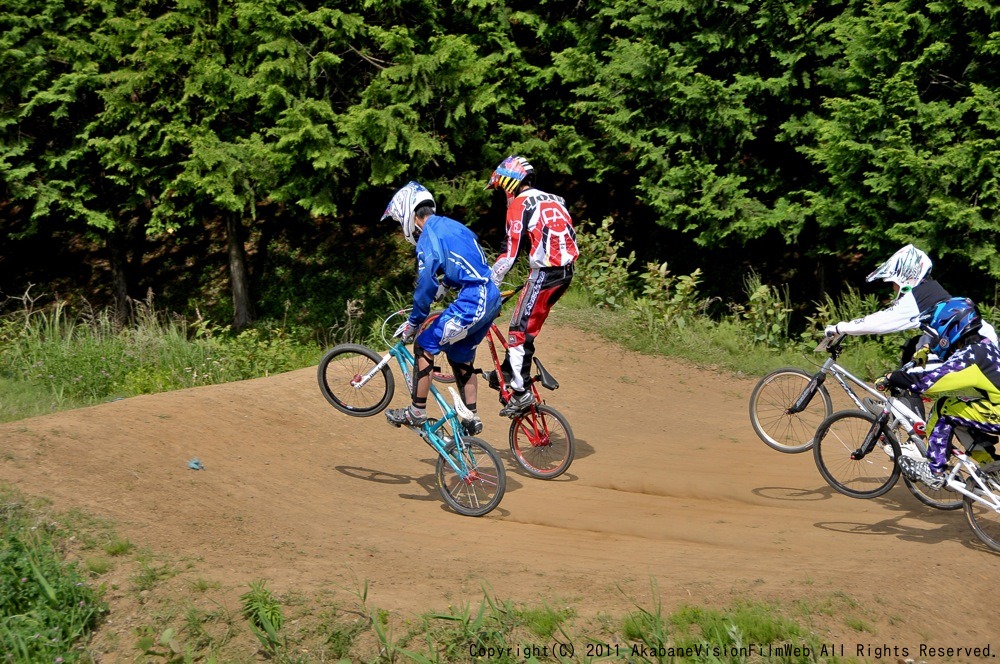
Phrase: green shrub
(766, 314)
(602, 272)
(667, 301)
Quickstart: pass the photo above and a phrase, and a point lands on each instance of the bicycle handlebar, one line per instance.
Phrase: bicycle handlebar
(507, 294)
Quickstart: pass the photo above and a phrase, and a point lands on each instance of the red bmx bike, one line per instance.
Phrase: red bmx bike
(541, 440)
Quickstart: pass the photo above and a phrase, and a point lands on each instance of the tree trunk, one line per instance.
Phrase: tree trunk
(136, 255)
(238, 275)
(115, 242)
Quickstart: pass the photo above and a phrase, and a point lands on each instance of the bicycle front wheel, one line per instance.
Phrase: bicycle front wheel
(481, 484)
(541, 442)
(837, 440)
(770, 400)
(340, 372)
(984, 521)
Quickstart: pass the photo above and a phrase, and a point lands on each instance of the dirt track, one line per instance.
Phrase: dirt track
(670, 486)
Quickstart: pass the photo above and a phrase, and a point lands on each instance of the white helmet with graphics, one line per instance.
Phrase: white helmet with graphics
(907, 267)
(404, 204)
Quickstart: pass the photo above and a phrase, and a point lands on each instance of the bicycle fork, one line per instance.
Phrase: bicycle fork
(871, 439)
(807, 394)
(361, 381)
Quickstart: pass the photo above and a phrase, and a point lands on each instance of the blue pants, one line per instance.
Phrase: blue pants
(461, 327)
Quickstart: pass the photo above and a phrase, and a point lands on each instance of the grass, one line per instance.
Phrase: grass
(53, 608)
(721, 345)
(46, 604)
(51, 360)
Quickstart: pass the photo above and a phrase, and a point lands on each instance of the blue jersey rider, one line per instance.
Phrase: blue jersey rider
(446, 251)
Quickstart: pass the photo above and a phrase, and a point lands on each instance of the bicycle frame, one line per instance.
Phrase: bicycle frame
(899, 410)
(493, 337)
(505, 391)
(431, 431)
(964, 463)
(968, 466)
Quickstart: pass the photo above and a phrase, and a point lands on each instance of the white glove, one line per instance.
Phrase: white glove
(405, 332)
(832, 331)
(441, 292)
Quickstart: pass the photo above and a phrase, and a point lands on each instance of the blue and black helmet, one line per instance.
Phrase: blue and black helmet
(948, 323)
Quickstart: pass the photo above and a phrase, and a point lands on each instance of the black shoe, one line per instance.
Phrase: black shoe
(473, 427)
(518, 404)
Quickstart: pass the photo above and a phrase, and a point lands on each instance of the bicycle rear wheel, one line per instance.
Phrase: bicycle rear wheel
(339, 371)
(770, 400)
(484, 483)
(984, 521)
(541, 442)
(838, 437)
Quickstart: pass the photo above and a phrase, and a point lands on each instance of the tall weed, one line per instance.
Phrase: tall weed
(667, 301)
(91, 357)
(600, 269)
(45, 604)
(766, 313)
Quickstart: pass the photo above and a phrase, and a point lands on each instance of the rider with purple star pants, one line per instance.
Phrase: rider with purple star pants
(971, 380)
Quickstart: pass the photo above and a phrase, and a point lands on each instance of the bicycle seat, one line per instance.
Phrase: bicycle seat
(544, 377)
(983, 438)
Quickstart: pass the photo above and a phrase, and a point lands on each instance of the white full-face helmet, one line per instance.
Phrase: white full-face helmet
(907, 267)
(404, 204)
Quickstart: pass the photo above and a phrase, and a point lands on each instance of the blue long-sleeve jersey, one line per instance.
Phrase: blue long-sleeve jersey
(449, 249)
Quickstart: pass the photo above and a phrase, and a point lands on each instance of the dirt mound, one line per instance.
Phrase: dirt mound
(670, 486)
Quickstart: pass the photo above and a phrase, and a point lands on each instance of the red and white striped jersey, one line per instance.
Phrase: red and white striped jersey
(544, 219)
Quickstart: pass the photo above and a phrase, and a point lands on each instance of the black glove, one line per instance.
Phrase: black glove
(900, 379)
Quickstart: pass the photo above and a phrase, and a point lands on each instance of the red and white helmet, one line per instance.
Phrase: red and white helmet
(403, 205)
(510, 173)
(906, 267)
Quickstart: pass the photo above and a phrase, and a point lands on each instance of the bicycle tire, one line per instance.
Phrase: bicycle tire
(440, 376)
(485, 486)
(985, 523)
(541, 442)
(771, 398)
(841, 434)
(346, 363)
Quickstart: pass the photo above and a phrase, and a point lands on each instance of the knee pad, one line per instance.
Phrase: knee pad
(418, 373)
(463, 373)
